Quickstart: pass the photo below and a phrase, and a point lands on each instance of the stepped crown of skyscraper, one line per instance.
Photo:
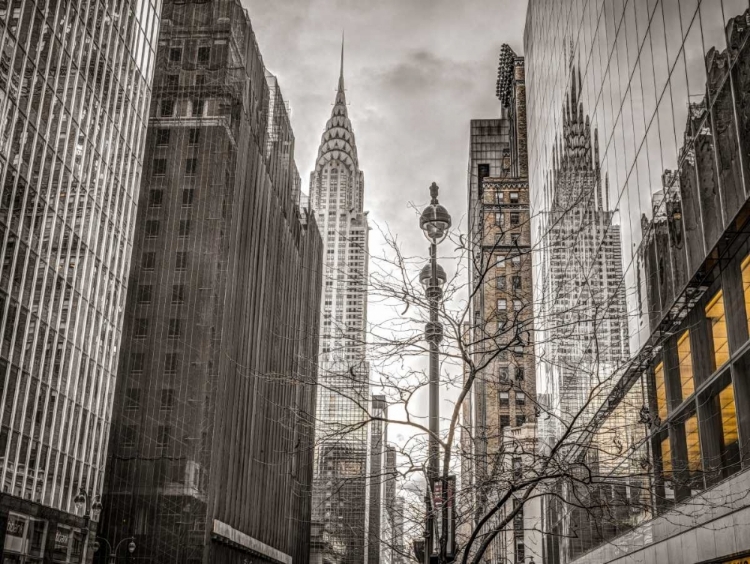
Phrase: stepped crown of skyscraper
(337, 142)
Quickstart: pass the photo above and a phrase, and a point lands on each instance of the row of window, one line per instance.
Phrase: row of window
(153, 226)
(202, 55)
(515, 219)
(138, 361)
(160, 167)
(175, 324)
(501, 282)
(163, 136)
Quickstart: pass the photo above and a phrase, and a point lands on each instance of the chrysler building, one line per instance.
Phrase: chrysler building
(340, 485)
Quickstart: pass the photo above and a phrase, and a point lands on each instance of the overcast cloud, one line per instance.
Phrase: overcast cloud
(416, 72)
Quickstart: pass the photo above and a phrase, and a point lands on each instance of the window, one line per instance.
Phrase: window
(187, 197)
(500, 282)
(194, 136)
(198, 107)
(746, 287)
(504, 398)
(136, 362)
(175, 54)
(162, 436)
(517, 305)
(517, 467)
(204, 55)
(515, 260)
(129, 434)
(172, 81)
(144, 293)
(170, 363)
(718, 326)
(160, 167)
(167, 108)
(178, 294)
(181, 261)
(502, 304)
(514, 237)
(155, 197)
(517, 284)
(499, 196)
(141, 328)
(513, 197)
(504, 420)
(519, 374)
(520, 420)
(167, 399)
(184, 227)
(162, 136)
(730, 447)
(500, 262)
(520, 398)
(191, 165)
(693, 445)
(686, 365)
(661, 391)
(148, 260)
(175, 328)
(515, 218)
(152, 228)
(200, 79)
(499, 219)
(666, 459)
(132, 398)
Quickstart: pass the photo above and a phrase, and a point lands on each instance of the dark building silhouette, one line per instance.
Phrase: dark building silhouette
(210, 456)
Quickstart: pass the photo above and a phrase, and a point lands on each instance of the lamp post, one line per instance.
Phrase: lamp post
(89, 507)
(435, 222)
(113, 553)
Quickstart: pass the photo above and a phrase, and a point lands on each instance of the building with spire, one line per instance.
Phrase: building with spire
(340, 488)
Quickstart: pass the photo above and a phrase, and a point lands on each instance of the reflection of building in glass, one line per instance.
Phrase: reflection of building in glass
(74, 93)
(340, 498)
(504, 393)
(214, 405)
(672, 114)
(378, 459)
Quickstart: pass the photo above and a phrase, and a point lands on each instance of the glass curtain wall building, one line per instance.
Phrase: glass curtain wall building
(74, 93)
(211, 448)
(649, 100)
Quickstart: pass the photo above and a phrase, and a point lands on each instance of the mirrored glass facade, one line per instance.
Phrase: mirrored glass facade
(650, 99)
(74, 92)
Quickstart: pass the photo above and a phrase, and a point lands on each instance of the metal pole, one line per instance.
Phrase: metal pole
(434, 448)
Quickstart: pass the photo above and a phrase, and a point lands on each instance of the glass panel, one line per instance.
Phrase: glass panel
(693, 445)
(746, 288)
(730, 449)
(666, 459)
(661, 391)
(717, 323)
(686, 365)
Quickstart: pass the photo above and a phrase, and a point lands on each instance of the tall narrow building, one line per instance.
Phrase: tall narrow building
(377, 477)
(75, 85)
(340, 500)
(210, 456)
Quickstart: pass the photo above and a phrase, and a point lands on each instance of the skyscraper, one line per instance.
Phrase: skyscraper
(341, 440)
(210, 455)
(501, 286)
(377, 477)
(74, 94)
(639, 128)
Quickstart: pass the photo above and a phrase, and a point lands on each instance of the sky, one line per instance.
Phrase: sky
(416, 72)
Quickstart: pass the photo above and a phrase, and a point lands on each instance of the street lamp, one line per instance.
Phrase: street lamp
(113, 553)
(435, 222)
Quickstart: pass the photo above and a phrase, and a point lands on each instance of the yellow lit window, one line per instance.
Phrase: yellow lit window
(693, 445)
(661, 391)
(746, 288)
(666, 459)
(718, 322)
(728, 415)
(686, 365)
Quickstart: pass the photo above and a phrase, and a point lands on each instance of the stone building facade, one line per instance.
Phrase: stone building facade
(214, 406)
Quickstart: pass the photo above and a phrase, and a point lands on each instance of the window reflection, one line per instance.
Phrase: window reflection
(718, 327)
(746, 288)
(686, 365)
(666, 459)
(730, 448)
(661, 391)
(692, 438)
